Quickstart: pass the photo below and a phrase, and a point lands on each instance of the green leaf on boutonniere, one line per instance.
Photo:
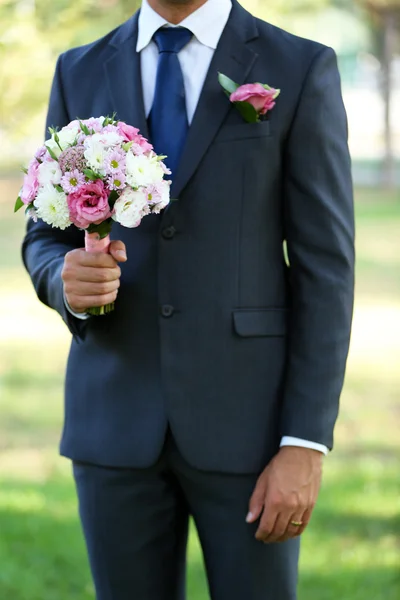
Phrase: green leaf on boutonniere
(227, 84)
(19, 204)
(247, 111)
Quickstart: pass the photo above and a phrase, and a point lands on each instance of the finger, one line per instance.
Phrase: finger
(97, 260)
(306, 518)
(256, 503)
(83, 303)
(118, 251)
(292, 530)
(90, 274)
(279, 529)
(83, 288)
(267, 524)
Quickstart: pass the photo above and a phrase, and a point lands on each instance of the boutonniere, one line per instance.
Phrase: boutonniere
(253, 100)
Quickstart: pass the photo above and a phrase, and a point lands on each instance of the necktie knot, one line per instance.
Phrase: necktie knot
(172, 39)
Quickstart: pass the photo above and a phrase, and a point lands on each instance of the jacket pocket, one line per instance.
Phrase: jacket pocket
(244, 131)
(260, 322)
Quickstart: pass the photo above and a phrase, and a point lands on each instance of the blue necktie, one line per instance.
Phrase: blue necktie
(168, 124)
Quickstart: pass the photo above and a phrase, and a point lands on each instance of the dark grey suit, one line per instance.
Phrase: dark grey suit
(214, 335)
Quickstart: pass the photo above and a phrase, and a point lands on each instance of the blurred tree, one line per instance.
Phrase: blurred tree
(386, 23)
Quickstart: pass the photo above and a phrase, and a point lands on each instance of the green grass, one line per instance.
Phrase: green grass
(352, 548)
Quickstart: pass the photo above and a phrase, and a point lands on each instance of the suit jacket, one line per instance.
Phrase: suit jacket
(213, 333)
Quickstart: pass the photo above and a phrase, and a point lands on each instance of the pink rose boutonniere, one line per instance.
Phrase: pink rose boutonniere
(253, 100)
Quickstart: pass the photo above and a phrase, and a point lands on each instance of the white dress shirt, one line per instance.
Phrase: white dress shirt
(207, 24)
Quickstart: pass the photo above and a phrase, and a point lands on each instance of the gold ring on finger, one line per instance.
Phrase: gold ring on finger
(296, 523)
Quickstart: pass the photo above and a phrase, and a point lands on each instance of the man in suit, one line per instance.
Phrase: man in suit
(213, 388)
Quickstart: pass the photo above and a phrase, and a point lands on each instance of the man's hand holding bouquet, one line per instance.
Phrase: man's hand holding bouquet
(89, 174)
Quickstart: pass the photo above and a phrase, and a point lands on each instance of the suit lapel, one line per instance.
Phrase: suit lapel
(123, 77)
(233, 58)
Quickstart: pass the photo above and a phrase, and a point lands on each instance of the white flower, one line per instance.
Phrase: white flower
(67, 136)
(143, 170)
(108, 138)
(158, 196)
(49, 172)
(131, 207)
(95, 155)
(51, 206)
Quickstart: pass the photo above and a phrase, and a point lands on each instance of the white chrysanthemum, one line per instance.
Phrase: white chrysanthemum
(67, 136)
(131, 207)
(109, 139)
(95, 155)
(49, 172)
(142, 170)
(51, 206)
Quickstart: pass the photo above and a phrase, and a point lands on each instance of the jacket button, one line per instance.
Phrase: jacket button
(167, 310)
(169, 232)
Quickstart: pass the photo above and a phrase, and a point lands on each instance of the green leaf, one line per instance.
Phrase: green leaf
(247, 111)
(126, 146)
(104, 229)
(112, 198)
(84, 128)
(227, 84)
(24, 170)
(18, 204)
(91, 174)
(51, 152)
(58, 188)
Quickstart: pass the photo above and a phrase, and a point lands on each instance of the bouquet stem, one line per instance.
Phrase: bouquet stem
(95, 243)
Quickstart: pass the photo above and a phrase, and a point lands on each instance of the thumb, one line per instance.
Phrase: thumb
(118, 251)
(256, 503)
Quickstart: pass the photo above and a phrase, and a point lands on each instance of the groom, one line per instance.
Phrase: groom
(213, 389)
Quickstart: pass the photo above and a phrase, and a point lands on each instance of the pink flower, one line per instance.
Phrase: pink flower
(128, 132)
(89, 204)
(41, 153)
(72, 181)
(31, 183)
(131, 134)
(115, 160)
(116, 180)
(143, 144)
(257, 95)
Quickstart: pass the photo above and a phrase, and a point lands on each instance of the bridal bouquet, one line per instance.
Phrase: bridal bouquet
(91, 173)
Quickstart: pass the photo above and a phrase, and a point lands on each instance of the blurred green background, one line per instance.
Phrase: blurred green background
(352, 549)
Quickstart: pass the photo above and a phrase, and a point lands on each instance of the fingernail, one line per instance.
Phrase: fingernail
(121, 254)
(249, 517)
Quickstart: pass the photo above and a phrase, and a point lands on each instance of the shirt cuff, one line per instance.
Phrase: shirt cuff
(81, 316)
(293, 441)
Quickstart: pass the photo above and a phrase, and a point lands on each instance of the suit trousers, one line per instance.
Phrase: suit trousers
(135, 523)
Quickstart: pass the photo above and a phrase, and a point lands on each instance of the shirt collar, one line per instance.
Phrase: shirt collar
(206, 23)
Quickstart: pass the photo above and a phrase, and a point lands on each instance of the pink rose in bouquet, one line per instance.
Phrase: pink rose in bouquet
(89, 205)
(92, 173)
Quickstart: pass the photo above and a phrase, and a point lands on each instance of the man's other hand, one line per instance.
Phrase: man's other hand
(92, 279)
(286, 492)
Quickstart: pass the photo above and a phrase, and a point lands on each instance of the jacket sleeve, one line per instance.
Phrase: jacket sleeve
(319, 230)
(44, 247)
